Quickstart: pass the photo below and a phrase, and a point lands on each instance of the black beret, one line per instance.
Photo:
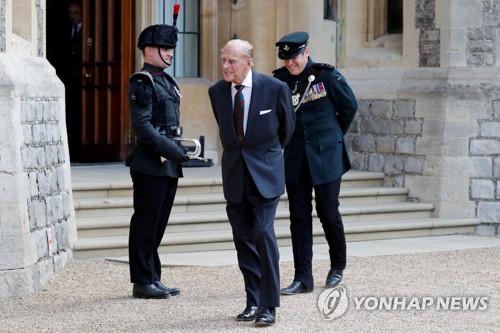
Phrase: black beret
(292, 44)
(160, 35)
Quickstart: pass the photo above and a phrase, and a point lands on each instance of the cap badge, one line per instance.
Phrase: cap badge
(286, 48)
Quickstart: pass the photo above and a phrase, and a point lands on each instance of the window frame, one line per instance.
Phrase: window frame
(188, 24)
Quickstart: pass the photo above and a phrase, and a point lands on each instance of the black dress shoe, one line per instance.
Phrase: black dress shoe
(248, 314)
(149, 291)
(266, 316)
(333, 278)
(296, 287)
(171, 291)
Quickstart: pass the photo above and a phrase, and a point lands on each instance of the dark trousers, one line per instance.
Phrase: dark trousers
(327, 207)
(153, 200)
(252, 222)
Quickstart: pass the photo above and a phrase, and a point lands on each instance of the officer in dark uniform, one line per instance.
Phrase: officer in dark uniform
(316, 157)
(155, 161)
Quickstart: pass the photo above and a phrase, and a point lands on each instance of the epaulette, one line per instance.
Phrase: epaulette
(320, 65)
(278, 70)
(143, 73)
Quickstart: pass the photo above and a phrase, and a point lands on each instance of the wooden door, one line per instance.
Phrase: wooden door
(108, 62)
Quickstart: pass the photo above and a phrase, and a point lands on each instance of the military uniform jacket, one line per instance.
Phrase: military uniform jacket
(154, 101)
(322, 120)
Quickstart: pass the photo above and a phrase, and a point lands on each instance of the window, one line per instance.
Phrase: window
(381, 44)
(384, 18)
(330, 10)
(187, 52)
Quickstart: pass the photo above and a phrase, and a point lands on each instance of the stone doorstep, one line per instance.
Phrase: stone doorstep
(189, 241)
(347, 196)
(370, 211)
(389, 211)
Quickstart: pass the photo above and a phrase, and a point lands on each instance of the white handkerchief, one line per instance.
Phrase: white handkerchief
(264, 112)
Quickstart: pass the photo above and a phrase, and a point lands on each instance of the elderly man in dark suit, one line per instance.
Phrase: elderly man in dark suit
(253, 133)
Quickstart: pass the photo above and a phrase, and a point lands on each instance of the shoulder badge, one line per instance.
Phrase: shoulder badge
(320, 65)
(143, 90)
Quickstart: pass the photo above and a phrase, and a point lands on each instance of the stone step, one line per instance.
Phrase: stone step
(209, 202)
(116, 225)
(124, 188)
(113, 188)
(199, 222)
(209, 240)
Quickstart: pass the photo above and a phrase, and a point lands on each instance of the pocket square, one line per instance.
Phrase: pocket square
(264, 112)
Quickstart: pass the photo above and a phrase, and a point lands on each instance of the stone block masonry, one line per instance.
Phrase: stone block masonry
(383, 137)
(485, 190)
(37, 222)
(437, 133)
(429, 35)
(482, 41)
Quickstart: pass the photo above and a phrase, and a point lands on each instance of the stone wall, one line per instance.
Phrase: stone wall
(383, 138)
(37, 225)
(435, 132)
(436, 129)
(2, 26)
(485, 190)
(482, 41)
(429, 35)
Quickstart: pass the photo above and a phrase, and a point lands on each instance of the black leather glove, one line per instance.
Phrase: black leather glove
(181, 156)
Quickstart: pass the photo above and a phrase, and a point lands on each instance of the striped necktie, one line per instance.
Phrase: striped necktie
(238, 112)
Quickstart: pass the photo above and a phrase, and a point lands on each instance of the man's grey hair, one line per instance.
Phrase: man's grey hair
(244, 46)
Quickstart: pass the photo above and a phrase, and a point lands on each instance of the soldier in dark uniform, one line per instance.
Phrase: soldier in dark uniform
(155, 161)
(316, 157)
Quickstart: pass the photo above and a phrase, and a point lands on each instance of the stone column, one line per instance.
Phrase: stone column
(37, 222)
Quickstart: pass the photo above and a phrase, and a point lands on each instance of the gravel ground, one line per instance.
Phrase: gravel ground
(95, 296)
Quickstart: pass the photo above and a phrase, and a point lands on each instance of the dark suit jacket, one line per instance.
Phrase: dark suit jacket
(70, 63)
(270, 125)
